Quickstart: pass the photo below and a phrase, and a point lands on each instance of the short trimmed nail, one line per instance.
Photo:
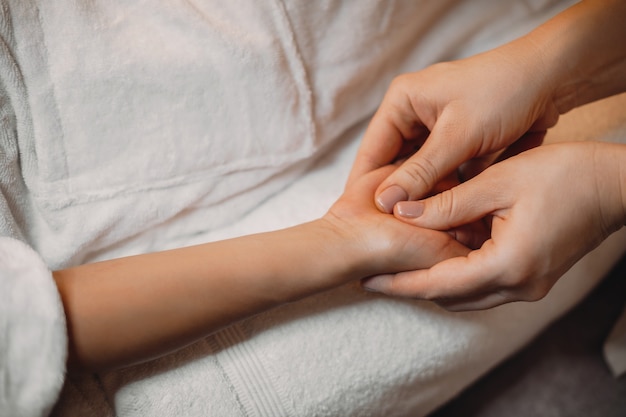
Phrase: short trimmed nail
(389, 197)
(375, 283)
(411, 209)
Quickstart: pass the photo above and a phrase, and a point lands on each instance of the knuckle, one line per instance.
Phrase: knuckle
(535, 292)
(525, 286)
(515, 281)
(519, 273)
(445, 204)
(395, 286)
(421, 171)
(429, 295)
(401, 82)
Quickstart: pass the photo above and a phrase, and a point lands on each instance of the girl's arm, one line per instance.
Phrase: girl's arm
(132, 309)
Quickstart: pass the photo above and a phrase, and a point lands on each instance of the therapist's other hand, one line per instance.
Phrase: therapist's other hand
(453, 112)
(547, 208)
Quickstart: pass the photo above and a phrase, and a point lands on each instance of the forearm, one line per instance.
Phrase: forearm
(583, 52)
(129, 310)
(132, 309)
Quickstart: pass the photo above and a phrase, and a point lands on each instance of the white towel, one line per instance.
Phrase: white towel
(33, 344)
(142, 112)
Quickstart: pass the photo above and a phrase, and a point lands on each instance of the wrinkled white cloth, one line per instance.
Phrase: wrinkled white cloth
(129, 127)
(33, 344)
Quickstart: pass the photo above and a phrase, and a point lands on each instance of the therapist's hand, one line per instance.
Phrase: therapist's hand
(547, 208)
(454, 112)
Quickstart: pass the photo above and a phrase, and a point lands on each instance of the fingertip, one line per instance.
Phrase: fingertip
(409, 209)
(387, 199)
(378, 283)
(408, 284)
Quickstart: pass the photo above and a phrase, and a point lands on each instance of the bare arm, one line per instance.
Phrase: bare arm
(132, 309)
(584, 51)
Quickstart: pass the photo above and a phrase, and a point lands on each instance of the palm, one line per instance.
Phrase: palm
(393, 245)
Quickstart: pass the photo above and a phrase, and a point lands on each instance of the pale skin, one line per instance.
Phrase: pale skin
(537, 204)
(130, 310)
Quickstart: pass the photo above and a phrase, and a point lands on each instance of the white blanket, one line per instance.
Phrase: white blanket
(129, 127)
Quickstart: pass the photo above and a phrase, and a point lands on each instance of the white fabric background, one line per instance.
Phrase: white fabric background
(134, 127)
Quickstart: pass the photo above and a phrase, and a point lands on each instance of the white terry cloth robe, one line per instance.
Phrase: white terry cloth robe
(129, 127)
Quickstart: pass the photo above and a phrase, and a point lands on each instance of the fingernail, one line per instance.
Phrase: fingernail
(389, 197)
(410, 209)
(374, 284)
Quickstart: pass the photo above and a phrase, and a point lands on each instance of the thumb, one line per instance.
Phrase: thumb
(458, 206)
(419, 174)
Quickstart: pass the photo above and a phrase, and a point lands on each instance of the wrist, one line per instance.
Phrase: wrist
(582, 52)
(345, 254)
(316, 256)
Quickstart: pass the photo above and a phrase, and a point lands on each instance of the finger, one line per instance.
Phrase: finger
(363, 187)
(480, 302)
(445, 149)
(393, 124)
(460, 205)
(455, 278)
(483, 301)
(380, 144)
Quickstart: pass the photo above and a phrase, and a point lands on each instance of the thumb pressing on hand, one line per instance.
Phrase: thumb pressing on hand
(419, 174)
(458, 206)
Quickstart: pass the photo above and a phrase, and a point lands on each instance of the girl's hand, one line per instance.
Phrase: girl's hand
(382, 243)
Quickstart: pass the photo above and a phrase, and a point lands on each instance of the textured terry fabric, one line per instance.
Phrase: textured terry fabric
(140, 113)
(33, 344)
